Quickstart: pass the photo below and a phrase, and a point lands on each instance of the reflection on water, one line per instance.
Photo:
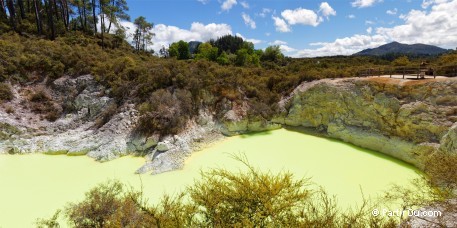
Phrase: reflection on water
(36, 185)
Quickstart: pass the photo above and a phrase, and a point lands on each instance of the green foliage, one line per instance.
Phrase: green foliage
(5, 93)
(249, 198)
(50, 222)
(401, 61)
(207, 51)
(272, 53)
(165, 112)
(440, 167)
(143, 35)
(228, 43)
(7, 130)
(103, 207)
(223, 59)
(42, 103)
(180, 50)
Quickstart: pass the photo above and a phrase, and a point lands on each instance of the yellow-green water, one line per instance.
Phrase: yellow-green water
(33, 186)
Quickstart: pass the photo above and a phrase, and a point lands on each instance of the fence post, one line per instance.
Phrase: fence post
(379, 72)
(390, 73)
(403, 72)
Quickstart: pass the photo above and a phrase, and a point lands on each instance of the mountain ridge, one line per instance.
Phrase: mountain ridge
(400, 48)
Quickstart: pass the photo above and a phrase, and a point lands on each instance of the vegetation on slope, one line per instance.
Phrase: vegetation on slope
(252, 198)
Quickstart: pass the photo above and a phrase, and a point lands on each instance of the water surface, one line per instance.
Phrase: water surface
(35, 186)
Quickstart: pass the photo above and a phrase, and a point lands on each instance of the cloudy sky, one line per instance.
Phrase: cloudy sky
(303, 28)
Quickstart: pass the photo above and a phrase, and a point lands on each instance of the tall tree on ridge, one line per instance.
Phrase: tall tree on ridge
(39, 25)
(20, 3)
(12, 13)
(143, 34)
(94, 15)
(117, 9)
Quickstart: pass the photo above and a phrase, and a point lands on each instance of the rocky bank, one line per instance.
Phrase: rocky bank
(403, 118)
(406, 119)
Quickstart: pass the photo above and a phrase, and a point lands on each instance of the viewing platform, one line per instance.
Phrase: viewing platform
(411, 72)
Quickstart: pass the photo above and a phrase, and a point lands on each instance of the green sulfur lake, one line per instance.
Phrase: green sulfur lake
(35, 186)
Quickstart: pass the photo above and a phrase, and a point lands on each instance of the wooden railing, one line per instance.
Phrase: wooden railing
(447, 71)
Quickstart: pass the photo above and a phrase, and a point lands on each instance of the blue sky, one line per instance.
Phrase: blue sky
(303, 27)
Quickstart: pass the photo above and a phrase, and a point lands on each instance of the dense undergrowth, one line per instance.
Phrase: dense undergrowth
(168, 91)
(254, 198)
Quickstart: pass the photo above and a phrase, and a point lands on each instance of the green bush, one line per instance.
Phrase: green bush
(5, 92)
(248, 198)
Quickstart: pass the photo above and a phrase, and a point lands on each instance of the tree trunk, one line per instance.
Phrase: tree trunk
(81, 18)
(54, 3)
(48, 6)
(12, 12)
(37, 18)
(21, 8)
(29, 7)
(84, 15)
(2, 10)
(94, 15)
(102, 23)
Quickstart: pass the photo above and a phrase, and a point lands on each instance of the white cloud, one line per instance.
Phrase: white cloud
(326, 10)
(301, 16)
(167, 34)
(267, 34)
(435, 27)
(281, 25)
(286, 49)
(264, 12)
(248, 21)
(426, 3)
(392, 12)
(344, 46)
(368, 22)
(228, 4)
(278, 42)
(245, 5)
(364, 3)
(351, 16)
(254, 41)
(369, 30)
(203, 1)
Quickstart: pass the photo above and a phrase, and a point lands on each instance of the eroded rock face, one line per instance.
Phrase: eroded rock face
(405, 119)
(73, 133)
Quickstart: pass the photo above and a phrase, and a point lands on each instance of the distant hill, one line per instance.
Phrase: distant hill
(403, 49)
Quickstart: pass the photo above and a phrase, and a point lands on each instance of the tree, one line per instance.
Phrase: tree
(12, 13)
(272, 53)
(163, 52)
(180, 50)
(143, 35)
(183, 50)
(228, 43)
(117, 9)
(223, 59)
(401, 61)
(207, 51)
(173, 50)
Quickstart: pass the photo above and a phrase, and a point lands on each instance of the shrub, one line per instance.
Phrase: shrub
(249, 198)
(40, 95)
(165, 112)
(5, 92)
